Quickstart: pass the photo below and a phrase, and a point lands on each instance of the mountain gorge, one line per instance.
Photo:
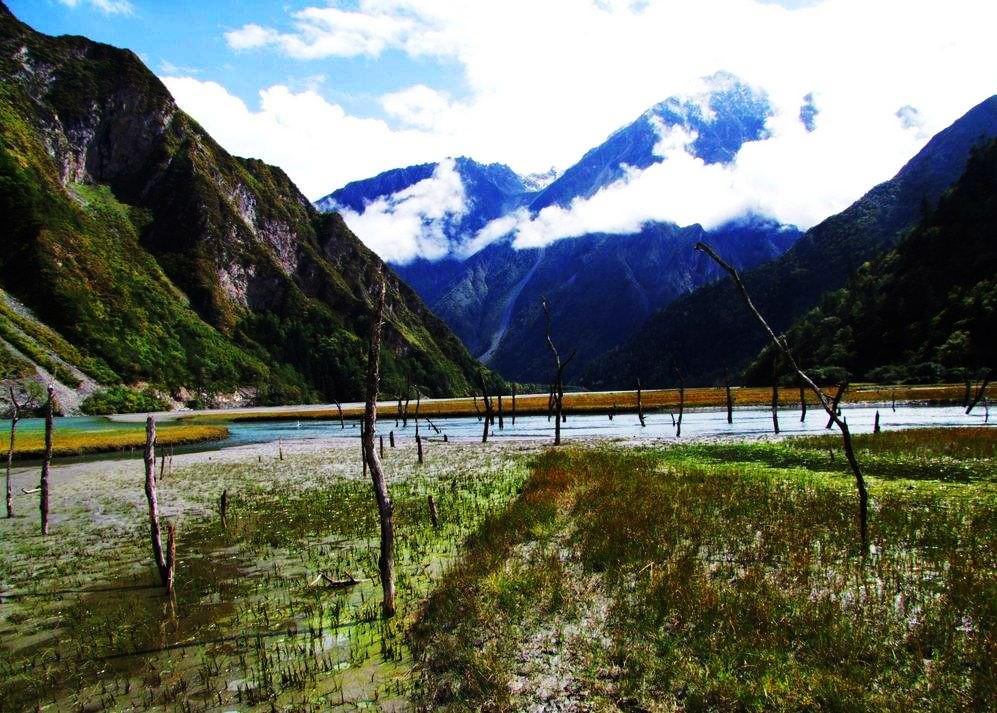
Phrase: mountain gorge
(709, 330)
(136, 250)
(601, 286)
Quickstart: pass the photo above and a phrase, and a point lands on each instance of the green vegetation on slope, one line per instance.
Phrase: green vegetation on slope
(161, 258)
(728, 577)
(927, 309)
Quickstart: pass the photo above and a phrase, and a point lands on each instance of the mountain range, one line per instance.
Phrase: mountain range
(137, 250)
(708, 331)
(601, 287)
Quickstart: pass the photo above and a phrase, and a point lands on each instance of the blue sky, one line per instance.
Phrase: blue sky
(334, 91)
(187, 37)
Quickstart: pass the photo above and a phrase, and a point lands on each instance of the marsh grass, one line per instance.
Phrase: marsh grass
(247, 629)
(736, 582)
(112, 437)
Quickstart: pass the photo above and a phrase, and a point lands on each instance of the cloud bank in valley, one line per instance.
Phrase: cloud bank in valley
(547, 81)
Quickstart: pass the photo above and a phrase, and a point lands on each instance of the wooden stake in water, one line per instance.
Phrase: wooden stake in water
(152, 497)
(46, 461)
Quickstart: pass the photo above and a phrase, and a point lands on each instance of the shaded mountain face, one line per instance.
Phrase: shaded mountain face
(601, 287)
(162, 258)
(924, 311)
(709, 330)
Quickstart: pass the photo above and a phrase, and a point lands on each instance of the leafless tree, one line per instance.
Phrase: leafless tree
(842, 387)
(16, 406)
(681, 382)
(385, 509)
(488, 406)
(152, 497)
(803, 402)
(514, 404)
(640, 406)
(980, 393)
(783, 347)
(730, 400)
(46, 459)
(558, 386)
(500, 414)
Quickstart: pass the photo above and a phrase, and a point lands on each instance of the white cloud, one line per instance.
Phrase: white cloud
(412, 222)
(319, 145)
(547, 81)
(109, 7)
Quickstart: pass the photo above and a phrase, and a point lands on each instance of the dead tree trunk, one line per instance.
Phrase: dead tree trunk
(171, 555)
(803, 403)
(730, 400)
(46, 461)
(894, 397)
(339, 408)
(488, 406)
(968, 394)
(612, 411)
(15, 415)
(980, 393)
(775, 397)
(640, 406)
(783, 347)
(477, 411)
(381, 445)
(500, 414)
(678, 423)
(875, 427)
(557, 390)
(434, 516)
(513, 404)
(418, 447)
(391, 438)
(152, 497)
(386, 560)
(223, 509)
(832, 419)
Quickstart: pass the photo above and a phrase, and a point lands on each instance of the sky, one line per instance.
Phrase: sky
(339, 91)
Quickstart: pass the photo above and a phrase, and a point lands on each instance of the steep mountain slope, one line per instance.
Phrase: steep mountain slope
(723, 118)
(601, 287)
(708, 330)
(162, 258)
(926, 309)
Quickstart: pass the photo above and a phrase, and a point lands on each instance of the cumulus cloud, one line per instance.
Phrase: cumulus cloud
(109, 7)
(547, 81)
(413, 222)
(319, 145)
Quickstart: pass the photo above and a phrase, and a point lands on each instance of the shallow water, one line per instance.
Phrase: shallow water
(748, 422)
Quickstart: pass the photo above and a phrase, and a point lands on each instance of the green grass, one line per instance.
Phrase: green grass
(733, 581)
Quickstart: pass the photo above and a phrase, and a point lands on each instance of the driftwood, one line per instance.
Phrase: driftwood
(980, 393)
(385, 509)
(151, 496)
(640, 406)
(31, 491)
(783, 347)
(557, 389)
(331, 583)
(46, 461)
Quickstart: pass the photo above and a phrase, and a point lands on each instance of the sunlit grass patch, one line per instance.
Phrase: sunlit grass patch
(737, 583)
(30, 443)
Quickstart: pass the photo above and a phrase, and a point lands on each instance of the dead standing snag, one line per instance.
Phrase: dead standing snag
(46, 461)
(557, 388)
(780, 344)
(386, 560)
(152, 497)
